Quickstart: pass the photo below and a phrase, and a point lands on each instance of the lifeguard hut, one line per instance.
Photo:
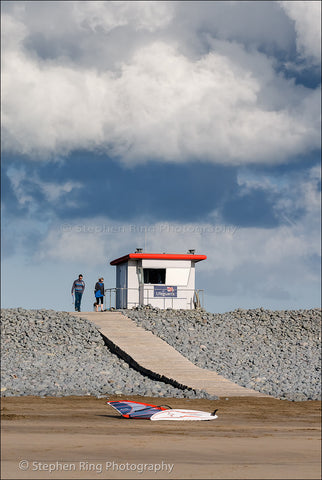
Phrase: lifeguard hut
(163, 280)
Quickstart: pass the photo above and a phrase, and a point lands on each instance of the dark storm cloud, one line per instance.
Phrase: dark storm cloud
(254, 209)
(156, 191)
(193, 192)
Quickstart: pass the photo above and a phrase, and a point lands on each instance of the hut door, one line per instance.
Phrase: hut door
(121, 296)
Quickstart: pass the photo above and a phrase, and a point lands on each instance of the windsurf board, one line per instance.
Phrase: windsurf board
(182, 414)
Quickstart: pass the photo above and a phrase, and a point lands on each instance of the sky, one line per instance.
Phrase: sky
(166, 126)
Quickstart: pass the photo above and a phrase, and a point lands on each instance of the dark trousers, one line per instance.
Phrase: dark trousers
(78, 299)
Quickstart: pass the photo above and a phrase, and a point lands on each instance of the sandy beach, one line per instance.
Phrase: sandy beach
(82, 437)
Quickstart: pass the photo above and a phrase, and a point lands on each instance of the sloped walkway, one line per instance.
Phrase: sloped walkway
(151, 355)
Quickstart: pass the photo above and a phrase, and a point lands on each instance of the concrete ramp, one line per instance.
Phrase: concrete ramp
(154, 357)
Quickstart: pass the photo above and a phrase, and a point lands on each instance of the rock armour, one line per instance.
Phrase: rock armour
(49, 353)
(275, 352)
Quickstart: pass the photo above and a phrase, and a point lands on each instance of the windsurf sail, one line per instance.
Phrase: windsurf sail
(129, 409)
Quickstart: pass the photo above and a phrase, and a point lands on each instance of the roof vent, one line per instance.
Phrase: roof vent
(139, 250)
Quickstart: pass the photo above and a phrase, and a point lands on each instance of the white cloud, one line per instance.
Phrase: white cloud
(159, 105)
(107, 16)
(16, 177)
(22, 183)
(307, 18)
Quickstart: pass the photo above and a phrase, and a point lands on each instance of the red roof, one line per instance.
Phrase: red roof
(159, 256)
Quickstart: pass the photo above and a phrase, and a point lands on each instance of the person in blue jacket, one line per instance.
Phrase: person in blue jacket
(78, 287)
(99, 294)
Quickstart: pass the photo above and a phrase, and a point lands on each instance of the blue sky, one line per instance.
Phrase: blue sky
(166, 126)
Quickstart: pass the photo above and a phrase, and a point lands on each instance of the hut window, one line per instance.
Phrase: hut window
(154, 275)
